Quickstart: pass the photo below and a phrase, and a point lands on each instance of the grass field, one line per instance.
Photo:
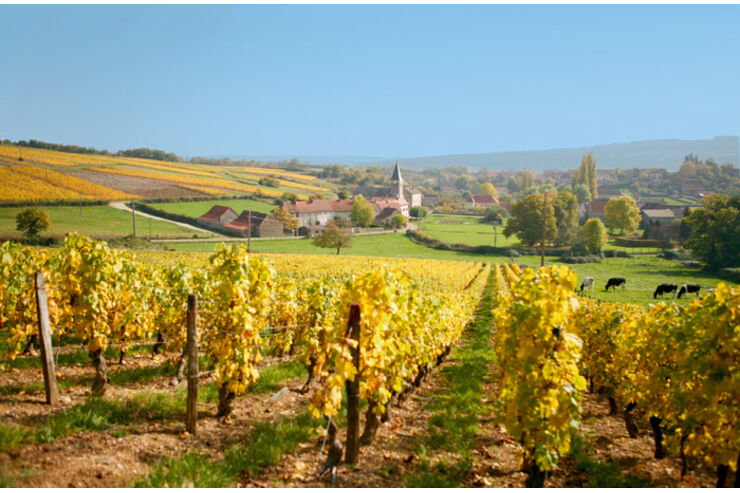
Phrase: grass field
(195, 209)
(643, 274)
(468, 230)
(100, 221)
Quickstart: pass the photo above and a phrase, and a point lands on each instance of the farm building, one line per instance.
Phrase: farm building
(484, 201)
(662, 215)
(217, 216)
(595, 208)
(262, 225)
(319, 212)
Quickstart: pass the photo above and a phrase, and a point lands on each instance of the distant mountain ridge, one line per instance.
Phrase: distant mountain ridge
(664, 153)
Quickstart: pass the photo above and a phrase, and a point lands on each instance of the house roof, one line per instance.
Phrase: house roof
(242, 222)
(659, 213)
(387, 213)
(598, 206)
(322, 205)
(216, 212)
(483, 199)
(383, 202)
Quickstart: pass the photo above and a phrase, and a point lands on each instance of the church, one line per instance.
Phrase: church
(397, 190)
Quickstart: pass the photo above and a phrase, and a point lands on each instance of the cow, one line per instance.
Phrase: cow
(689, 288)
(614, 282)
(588, 283)
(665, 288)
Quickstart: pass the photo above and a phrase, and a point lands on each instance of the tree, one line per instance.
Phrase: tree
(418, 212)
(594, 234)
(290, 222)
(487, 188)
(566, 217)
(528, 221)
(362, 213)
(333, 237)
(526, 180)
(582, 193)
(622, 213)
(586, 175)
(495, 214)
(715, 231)
(398, 221)
(32, 221)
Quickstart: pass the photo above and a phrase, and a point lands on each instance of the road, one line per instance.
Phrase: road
(122, 206)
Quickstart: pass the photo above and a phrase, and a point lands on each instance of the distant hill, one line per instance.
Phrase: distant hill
(665, 153)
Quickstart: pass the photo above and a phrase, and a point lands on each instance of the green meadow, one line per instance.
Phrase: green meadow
(99, 221)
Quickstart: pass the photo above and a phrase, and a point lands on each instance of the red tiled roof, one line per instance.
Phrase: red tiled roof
(216, 212)
(484, 199)
(385, 202)
(321, 205)
(598, 205)
(242, 222)
(387, 213)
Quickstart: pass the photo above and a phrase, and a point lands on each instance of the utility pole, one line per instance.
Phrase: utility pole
(249, 232)
(494, 236)
(133, 215)
(544, 228)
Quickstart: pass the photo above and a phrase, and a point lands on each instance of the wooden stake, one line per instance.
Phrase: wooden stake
(353, 388)
(47, 357)
(192, 407)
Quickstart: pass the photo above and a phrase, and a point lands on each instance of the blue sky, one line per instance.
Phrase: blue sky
(388, 81)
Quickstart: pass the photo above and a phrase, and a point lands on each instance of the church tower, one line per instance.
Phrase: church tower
(397, 182)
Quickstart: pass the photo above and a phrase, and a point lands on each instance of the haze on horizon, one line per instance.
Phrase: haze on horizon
(385, 81)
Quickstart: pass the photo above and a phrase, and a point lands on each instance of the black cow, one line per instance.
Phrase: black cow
(665, 288)
(614, 282)
(689, 288)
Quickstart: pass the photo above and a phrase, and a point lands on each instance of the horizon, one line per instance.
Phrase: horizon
(386, 82)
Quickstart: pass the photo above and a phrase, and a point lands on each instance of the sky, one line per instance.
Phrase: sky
(381, 80)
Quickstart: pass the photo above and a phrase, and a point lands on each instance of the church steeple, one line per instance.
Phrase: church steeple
(397, 182)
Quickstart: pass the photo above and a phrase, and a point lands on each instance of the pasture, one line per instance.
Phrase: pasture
(99, 221)
(467, 230)
(195, 209)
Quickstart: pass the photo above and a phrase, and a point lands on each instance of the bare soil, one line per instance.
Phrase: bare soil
(143, 187)
(103, 459)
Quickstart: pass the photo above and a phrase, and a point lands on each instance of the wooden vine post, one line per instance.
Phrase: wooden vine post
(47, 357)
(191, 419)
(353, 388)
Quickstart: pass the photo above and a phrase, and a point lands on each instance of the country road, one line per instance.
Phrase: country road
(122, 206)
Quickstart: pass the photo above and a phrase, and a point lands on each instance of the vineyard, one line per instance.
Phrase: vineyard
(353, 336)
(31, 174)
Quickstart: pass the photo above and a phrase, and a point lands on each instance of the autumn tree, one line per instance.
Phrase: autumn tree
(363, 212)
(586, 174)
(622, 213)
(32, 221)
(290, 222)
(532, 220)
(594, 235)
(487, 188)
(333, 237)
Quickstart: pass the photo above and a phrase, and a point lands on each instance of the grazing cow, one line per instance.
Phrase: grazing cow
(689, 288)
(614, 282)
(665, 288)
(588, 283)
